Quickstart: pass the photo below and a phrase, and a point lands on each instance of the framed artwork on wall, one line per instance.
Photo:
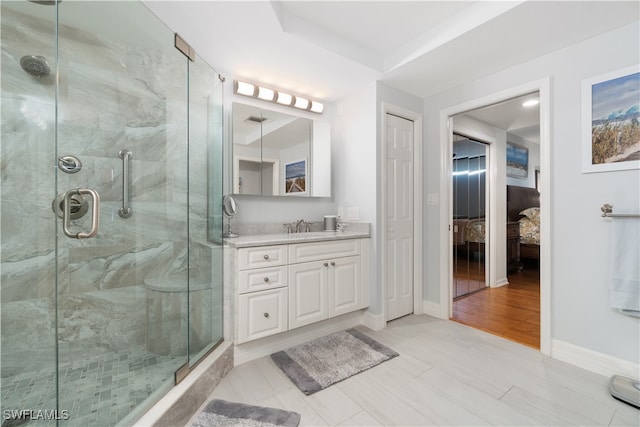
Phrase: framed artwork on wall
(295, 182)
(611, 121)
(517, 161)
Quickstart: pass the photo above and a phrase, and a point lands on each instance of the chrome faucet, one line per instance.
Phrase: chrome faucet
(298, 224)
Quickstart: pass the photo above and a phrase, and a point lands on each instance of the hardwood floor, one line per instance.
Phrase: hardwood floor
(511, 311)
(446, 374)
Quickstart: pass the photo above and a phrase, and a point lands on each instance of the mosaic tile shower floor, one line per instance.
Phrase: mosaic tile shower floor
(96, 391)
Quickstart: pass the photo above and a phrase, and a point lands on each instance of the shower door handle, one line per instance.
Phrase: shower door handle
(125, 211)
(95, 213)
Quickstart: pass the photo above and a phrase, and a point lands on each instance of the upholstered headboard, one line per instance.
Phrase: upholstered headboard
(520, 198)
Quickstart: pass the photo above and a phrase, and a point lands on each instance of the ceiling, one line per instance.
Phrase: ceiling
(329, 49)
(512, 116)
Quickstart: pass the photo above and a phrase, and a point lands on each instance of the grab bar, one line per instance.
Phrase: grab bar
(95, 213)
(607, 212)
(125, 211)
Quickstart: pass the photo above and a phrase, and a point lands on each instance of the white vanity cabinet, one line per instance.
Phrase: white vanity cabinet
(327, 285)
(283, 287)
(261, 285)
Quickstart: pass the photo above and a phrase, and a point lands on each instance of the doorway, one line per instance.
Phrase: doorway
(401, 187)
(491, 307)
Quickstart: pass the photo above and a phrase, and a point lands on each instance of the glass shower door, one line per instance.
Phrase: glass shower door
(122, 185)
(205, 209)
(27, 240)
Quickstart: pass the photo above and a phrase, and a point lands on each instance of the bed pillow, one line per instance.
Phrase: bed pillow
(529, 231)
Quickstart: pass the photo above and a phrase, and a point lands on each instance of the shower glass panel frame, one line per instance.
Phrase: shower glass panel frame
(94, 329)
(470, 216)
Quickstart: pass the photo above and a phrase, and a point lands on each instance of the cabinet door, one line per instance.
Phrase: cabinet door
(261, 314)
(308, 293)
(345, 285)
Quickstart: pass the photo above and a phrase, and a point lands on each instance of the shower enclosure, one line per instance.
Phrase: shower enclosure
(111, 221)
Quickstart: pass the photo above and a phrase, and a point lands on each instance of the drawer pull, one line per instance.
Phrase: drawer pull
(266, 257)
(333, 264)
(266, 315)
(266, 279)
(326, 264)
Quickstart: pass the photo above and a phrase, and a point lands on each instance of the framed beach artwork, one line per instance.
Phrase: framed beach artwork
(517, 161)
(611, 121)
(295, 182)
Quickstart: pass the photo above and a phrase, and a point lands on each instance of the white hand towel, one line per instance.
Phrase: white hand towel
(624, 283)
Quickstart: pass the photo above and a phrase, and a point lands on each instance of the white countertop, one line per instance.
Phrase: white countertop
(284, 238)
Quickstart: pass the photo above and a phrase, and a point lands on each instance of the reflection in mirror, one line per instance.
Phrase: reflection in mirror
(469, 216)
(247, 149)
(278, 154)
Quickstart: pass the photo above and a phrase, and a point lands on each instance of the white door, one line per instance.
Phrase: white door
(399, 233)
(345, 285)
(308, 293)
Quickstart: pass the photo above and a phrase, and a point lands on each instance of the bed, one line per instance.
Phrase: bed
(523, 206)
(469, 235)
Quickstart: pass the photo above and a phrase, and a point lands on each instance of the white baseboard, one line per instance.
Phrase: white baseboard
(431, 309)
(501, 282)
(373, 321)
(593, 361)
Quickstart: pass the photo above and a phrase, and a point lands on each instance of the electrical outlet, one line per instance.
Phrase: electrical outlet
(340, 213)
(432, 199)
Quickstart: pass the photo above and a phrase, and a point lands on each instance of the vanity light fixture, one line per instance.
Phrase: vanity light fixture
(282, 98)
(531, 102)
(316, 107)
(246, 89)
(301, 103)
(266, 94)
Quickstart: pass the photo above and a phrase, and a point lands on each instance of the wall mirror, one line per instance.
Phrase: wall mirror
(278, 154)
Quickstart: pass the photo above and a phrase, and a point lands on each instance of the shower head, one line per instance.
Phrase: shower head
(35, 65)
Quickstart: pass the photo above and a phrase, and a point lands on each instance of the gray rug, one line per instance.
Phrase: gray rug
(222, 413)
(320, 363)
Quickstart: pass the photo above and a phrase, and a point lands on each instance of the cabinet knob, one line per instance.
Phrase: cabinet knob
(266, 279)
(326, 264)
(266, 315)
(333, 264)
(266, 257)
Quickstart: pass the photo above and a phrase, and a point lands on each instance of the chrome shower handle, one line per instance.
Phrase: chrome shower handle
(125, 211)
(95, 213)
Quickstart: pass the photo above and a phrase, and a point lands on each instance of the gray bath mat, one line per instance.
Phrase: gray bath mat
(222, 413)
(317, 364)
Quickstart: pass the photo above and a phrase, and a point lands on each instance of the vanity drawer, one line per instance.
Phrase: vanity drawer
(318, 251)
(261, 314)
(261, 279)
(262, 256)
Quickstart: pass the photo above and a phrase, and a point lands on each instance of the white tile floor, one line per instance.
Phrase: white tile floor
(446, 374)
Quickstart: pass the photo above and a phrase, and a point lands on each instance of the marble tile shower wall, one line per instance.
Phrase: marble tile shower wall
(28, 241)
(112, 96)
